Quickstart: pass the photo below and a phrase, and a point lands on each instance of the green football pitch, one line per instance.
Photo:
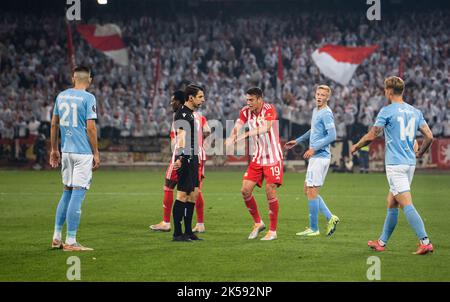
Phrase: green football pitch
(122, 204)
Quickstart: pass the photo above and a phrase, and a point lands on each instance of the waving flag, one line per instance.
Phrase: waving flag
(339, 63)
(107, 39)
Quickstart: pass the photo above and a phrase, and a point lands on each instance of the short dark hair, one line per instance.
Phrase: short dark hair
(82, 69)
(192, 89)
(179, 96)
(256, 91)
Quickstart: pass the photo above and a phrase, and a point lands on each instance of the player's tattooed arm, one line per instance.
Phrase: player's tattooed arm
(427, 140)
(54, 153)
(373, 133)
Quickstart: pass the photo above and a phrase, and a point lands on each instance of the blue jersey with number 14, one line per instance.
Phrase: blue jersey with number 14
(400, 122)
(74, 107)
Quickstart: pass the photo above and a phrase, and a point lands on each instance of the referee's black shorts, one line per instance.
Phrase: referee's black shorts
(188, 178)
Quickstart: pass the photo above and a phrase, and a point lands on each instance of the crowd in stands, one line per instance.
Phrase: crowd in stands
(227, 55)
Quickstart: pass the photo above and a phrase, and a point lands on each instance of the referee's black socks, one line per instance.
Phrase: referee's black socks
(178, 213)
(189, 213)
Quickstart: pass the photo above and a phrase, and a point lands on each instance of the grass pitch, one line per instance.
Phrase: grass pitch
(122, 204)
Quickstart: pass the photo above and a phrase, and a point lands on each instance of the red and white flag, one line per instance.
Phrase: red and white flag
(107, 39)
(338, 62)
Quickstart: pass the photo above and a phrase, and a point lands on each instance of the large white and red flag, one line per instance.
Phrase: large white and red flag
(107, 39)
(338, 62)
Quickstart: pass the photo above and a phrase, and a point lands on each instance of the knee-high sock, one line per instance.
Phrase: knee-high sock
(273, 213)
(199, 207)
(178, 213)
(253, 209)
(188, 214)
(167, 203)
(314, 214)
(389, 224)
(61, 213)
(323, 208)
(415, 221)
(74, 212)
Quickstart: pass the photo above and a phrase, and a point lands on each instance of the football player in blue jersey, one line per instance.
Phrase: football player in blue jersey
(320, 136)
(400, 122)
(74, 115)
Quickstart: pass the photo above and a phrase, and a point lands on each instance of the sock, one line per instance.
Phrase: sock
(273, 214)
(425, 241)
(324, 209)
(188, 214)
(74, 212)
(70, 240)
(199, 207)
(415, 221)
(167, 203)
(389, 224)
(253, 209)
(314, 214)
(61, 212)
(178, 213)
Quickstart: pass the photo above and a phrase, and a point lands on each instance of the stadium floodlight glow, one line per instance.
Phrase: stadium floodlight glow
(102, 1)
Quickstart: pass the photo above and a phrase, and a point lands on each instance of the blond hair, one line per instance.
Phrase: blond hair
(324, 87)
(396, 84)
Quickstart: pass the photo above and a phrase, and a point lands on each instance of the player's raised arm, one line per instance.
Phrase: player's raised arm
(92, 135)
(427, 140)
(54, 153)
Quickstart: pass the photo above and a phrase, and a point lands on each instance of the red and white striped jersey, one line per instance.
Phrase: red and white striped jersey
(201, 122)
(266, 147)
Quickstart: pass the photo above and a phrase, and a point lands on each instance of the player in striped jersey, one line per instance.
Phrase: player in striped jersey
(171, 178)
(267, 158)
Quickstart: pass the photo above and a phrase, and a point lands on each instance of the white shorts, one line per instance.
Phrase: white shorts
(399, 178)
(76, 170)
(316, 172)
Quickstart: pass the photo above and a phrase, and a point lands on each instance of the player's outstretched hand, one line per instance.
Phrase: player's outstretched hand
(353, 150)
(290, 144)
(54, 159)
(308, 154)
(96, 162)
(230, 141)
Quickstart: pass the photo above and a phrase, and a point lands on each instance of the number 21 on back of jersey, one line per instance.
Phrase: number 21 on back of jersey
(65, 109)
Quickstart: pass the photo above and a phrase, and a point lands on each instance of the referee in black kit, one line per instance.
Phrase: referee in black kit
(186, 163)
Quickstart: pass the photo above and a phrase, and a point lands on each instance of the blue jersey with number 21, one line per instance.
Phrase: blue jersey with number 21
(400, 122)
(74, 107)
